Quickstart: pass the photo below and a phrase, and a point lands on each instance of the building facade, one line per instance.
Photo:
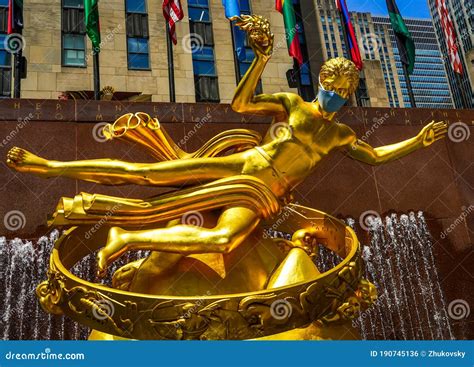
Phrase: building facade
(462, 16)
(134, 55)
(134, 50)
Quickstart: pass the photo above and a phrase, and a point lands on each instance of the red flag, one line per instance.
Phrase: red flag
(173, 13)
(15, 16)
(347, 24)
(450, 36)
(291, 28)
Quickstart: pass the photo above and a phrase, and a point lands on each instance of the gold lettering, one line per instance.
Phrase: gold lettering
(16, 105)
(98, 117)
(38, 106)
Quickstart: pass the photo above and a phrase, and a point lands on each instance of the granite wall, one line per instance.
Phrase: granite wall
(438, 180)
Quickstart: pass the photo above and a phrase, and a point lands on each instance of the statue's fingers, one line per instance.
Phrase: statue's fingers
(238, 19)
(441, 131)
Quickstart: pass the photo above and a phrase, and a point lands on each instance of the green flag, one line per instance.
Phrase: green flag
(406, 45)
(91, 9)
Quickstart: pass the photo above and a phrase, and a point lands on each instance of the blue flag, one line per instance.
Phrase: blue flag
(232, 9)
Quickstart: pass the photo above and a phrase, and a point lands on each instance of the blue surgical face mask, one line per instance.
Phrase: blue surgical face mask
(329, 100)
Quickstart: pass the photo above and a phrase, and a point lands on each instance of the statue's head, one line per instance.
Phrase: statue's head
(338, 79)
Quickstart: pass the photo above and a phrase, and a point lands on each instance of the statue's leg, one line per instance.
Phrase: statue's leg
(116, 172)
(159, 262)
(233, 226)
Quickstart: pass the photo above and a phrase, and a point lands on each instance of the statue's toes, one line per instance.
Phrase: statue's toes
(15, 156)
(102, 263)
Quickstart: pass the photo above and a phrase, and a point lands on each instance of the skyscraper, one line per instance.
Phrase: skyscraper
(429, 79)
(462, 16)
(382, 66)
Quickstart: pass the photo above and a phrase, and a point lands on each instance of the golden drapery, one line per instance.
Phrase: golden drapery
(141, 129)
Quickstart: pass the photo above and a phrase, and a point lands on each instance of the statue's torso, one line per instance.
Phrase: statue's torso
(292, 148)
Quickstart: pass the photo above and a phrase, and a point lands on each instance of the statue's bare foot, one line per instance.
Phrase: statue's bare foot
(24, 161)
(123, 277)
(114, 247)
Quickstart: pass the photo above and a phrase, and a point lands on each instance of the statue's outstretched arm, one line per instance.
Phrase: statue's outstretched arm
(261, 41)
(362, 151)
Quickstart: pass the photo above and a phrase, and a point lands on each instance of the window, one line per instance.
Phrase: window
(138, 48)
(73, 34)
(205, 75)
(5, 56)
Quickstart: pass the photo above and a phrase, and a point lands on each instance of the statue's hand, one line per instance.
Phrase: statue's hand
(260, 36)
(432, 132)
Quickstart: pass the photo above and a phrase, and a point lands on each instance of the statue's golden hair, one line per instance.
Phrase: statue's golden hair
(340, 66)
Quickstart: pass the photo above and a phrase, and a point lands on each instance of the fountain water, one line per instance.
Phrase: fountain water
(399, 261)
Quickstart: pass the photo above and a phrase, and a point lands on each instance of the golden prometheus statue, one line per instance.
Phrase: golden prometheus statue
(212, 272)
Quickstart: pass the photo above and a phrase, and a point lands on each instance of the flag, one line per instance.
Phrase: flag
(91, 20)
(405, 43)
(351, 36)
(232, 9)
(15, 16)
(450, 36)
(173, 13)
(286, 8)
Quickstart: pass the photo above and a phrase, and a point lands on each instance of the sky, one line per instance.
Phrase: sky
(408, 8)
